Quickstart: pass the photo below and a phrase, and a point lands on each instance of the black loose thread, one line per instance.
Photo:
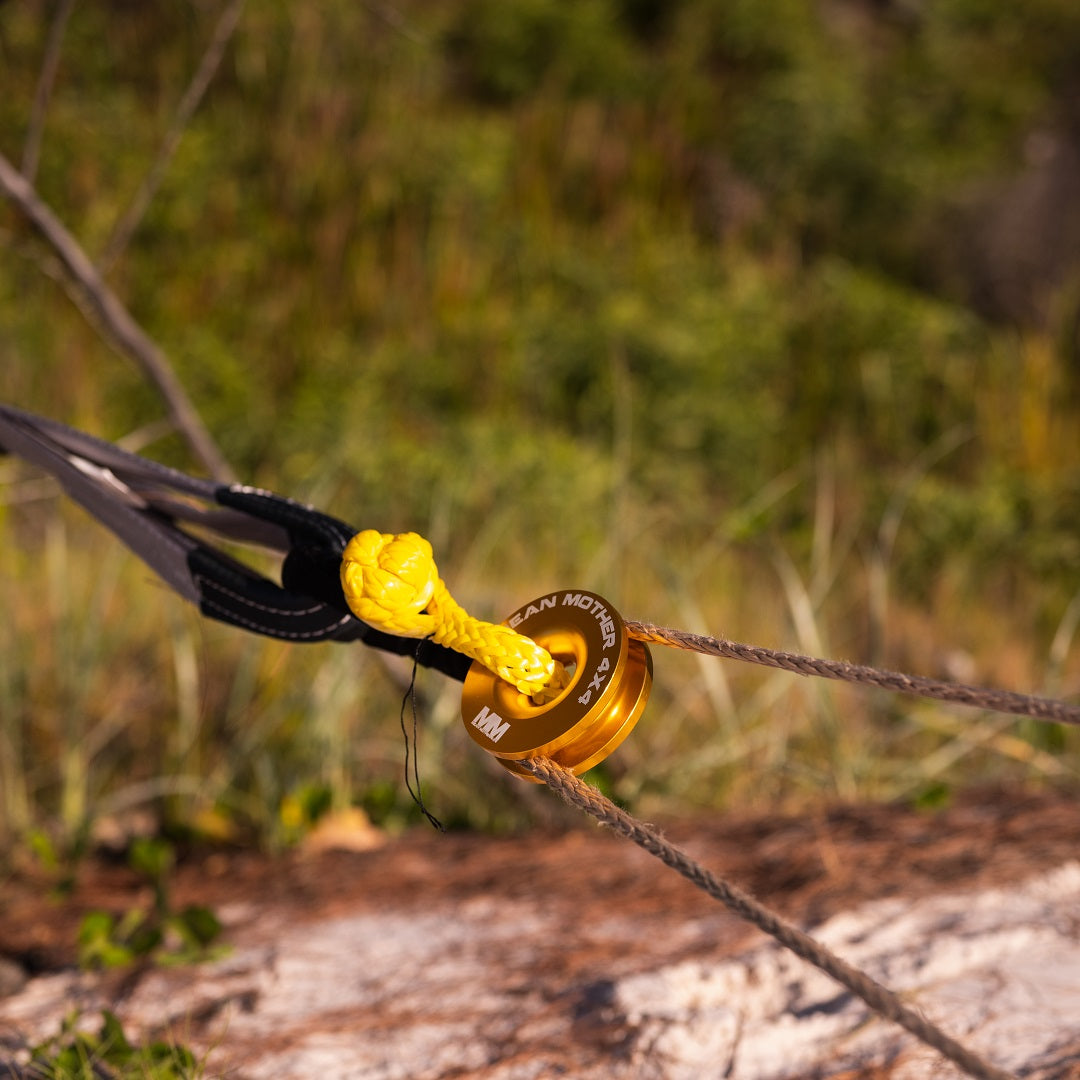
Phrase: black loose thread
(412, 750)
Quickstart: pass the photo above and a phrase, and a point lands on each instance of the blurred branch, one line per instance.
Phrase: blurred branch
(395, 20)
(200, 82)
(49, 66)
(114, 321)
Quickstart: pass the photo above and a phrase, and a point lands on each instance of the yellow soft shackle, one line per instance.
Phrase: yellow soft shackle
(393, 584)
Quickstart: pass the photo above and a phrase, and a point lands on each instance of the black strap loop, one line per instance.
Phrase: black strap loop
(146, 504)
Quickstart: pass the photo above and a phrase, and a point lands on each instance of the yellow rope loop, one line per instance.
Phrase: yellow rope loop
(393, 584)
(389, 580)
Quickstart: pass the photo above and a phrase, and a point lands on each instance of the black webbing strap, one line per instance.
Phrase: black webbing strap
(145, 504)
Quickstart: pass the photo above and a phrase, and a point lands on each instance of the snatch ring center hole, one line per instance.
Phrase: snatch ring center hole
(569, 663)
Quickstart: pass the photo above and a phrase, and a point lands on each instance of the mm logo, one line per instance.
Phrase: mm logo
(491, 724)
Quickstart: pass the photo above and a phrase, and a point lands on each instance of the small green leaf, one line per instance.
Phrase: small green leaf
(99, 946)
(198, 924)
(934, 795)
(44, 849)
(152, 856)
(113, 1044)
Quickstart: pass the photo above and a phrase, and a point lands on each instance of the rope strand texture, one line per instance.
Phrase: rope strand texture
(393, 584)
(883, 1001)
(1005, 701)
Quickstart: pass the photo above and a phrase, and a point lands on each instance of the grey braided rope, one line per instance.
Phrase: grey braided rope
(883, 1001)
(1006, 701)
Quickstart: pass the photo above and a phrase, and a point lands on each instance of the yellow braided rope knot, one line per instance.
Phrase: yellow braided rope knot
(393, 584)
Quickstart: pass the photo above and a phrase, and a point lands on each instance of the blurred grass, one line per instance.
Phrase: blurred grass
(653, 299)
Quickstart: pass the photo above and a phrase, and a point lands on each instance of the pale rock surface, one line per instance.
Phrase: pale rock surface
(486, 988)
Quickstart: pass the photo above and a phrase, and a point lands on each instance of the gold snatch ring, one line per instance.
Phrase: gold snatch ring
(610, 681)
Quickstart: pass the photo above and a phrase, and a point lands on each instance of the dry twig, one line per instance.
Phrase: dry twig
(49, 66)
(200, 82)
(114, 320)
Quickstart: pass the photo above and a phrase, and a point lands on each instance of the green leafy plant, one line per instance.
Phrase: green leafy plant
(108, 1054)
(162, 935)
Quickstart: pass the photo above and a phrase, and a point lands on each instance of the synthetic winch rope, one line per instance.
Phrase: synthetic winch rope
(883, 1001)
(979, 697)
(392, 583)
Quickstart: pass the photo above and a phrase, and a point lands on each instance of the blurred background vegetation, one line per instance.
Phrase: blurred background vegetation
(760, 317)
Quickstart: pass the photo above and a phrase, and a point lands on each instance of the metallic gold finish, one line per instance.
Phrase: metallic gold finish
(610, 681)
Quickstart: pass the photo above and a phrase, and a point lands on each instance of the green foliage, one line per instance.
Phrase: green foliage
(300, 810)
(163, 935)
(502, 53)
(934, 795)
(650, 297)
(77, 1054)
(107, 942)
